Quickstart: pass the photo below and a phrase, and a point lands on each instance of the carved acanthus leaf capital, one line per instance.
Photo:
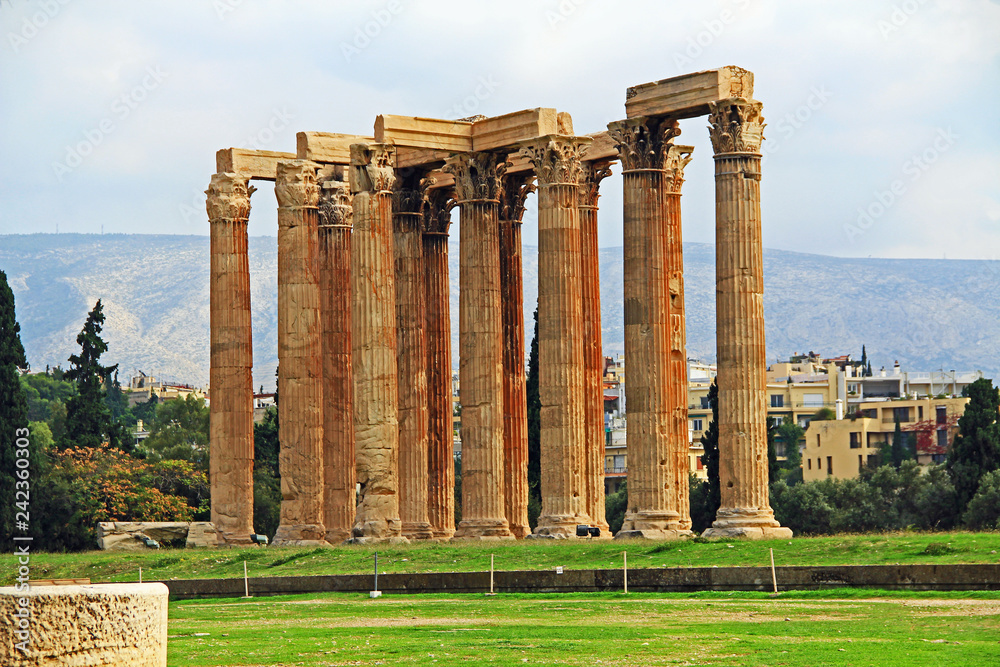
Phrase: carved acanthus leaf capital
(372, 167)
(410, 190)
(437, 211)
(556, 158)
(516, 188)
(335, 209)
(736, 125)
(591, 175)
(477, 175)
(677, 158)
(295, 184)
(643, 143)
(228, 197)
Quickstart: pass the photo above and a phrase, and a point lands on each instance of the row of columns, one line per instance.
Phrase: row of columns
(394, 441)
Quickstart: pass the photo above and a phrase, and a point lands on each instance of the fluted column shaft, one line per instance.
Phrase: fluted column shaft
(736, 127)
(477, 186)
(373, 313)
(652, 390)
(516, 188)
(231, 381)
(440, 448)
(593, 353)
(300, 373)
(560, 336)
(339, 478)
(411, 311)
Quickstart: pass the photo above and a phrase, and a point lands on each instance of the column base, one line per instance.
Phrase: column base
(653, 521)
(443, 533)
(559, 526)
(376, 530)
(483, 529)
(235, 541)
(365, 539)
(304, 535)
(418, 531)
(338, 536)
(748, 523)
(653, 534)
(520, 532)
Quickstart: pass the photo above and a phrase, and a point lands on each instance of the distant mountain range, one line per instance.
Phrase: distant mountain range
(927, 314)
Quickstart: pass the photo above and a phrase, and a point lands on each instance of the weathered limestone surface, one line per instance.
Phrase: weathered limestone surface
(373, 313)
(231, 381)
(127, 535)
(560, 336)
(440, 446)
(592, 173)
(647, 154)
(477, 183)
(336, 216)
(689, 94)
(736, 128)
(516, 188)
(300, 369)
(411, 311)
(79, 626)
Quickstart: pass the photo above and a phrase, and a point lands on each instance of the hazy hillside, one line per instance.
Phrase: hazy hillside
(928, 314)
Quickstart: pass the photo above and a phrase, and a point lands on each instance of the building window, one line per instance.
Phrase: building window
(777, 401)
(874, 460)
(901, 414)
(855, 441)
(809, 463)
(696, 425)
(705, 405)
(943, 438)
(861, 463)
(818, 443)
(829, 465)
(871, 413)
(920, 413)
(942, 414)
(812, 400)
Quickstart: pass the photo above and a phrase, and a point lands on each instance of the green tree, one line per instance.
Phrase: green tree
(899, 451)
(534, 432)
(706, 497)
(790, 434)
(773, 465)
(823, 415)
(13, 410)
(614, 507)
(983, 511)
(266, 475)
(89, 421)
(180, 432)
(864, 361)
(976, 449)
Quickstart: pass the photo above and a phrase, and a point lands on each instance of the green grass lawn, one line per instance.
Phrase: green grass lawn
(101, 566)
(822, 628)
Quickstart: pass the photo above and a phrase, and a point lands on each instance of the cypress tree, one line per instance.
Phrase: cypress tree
(791, 433)
(13, 406)
(89, 420)
(710, 456)
(534, 431)
(976, 449)
(773, 466)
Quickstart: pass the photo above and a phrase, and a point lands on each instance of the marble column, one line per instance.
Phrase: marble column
(556, 160)
(591, 175)
(411, 312)
(231, 381)
(373, 315)
(441, 447)
(335, 219)
(646, 150)
(516, 188)
(477, 187)
(300, 370)
(736, 129)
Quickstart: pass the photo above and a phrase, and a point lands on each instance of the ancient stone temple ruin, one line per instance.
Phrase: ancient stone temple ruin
(364, 341)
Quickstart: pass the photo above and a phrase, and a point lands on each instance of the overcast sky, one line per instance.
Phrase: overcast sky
(882, 139)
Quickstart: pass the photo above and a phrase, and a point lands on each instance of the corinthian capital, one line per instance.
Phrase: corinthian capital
(335, 208)
(676, 159)
(295, 184)
(556, 158)
(372, 167)
(591, 175)
(410, 190)
(735, 125)
(437, 211)
(228, 197)
(477, 175)
(516, 188)
(643, 143)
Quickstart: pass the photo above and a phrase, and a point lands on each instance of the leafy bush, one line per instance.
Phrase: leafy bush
(984, 509)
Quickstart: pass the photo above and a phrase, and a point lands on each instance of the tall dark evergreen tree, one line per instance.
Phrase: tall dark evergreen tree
(534, 431)
(790, 434)
(13, 408)
(89, 420)
(900, 449)
(864, 360)
(976, 450)
(710, 457)
(773, 465)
